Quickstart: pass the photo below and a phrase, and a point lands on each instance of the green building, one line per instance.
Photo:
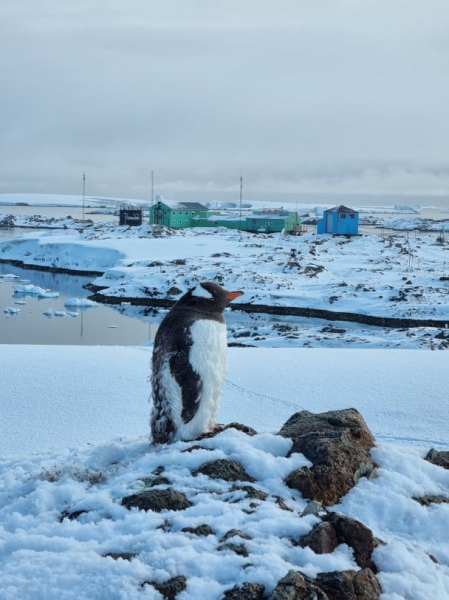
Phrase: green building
(266, 221)
(175, 214)
(193, 214)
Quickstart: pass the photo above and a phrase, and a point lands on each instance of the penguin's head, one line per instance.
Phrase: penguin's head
(208, 296)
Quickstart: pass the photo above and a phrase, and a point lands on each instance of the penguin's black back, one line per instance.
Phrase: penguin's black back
(173, 343)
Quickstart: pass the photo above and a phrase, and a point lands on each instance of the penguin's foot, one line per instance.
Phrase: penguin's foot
(212, 431)
(216, 428)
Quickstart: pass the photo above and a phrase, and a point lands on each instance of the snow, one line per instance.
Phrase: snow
(82, 394)
(34, 290)
(391, 276)
(76, 432)
(80, 302)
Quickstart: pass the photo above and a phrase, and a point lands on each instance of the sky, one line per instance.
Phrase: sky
(297, 96)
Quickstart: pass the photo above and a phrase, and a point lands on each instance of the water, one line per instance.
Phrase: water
(101, 325)
(56, 212)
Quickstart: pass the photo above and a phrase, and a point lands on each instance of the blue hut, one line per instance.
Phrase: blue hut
(339, 220)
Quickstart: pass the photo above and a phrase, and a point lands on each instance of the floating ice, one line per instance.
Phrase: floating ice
(81, 302)
(11, 311)
(34, 290)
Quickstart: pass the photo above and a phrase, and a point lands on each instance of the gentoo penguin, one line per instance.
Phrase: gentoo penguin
(189, 364)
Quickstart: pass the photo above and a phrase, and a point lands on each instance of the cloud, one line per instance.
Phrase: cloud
(341, 95)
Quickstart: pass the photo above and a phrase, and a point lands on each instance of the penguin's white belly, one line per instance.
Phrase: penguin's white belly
(208, 357)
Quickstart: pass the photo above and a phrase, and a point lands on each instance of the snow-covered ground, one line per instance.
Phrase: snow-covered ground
(75, 430)
(69, 395)
(393, 276)
(38, 222)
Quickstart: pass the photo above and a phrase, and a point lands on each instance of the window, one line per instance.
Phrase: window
(193, 213)
(352, 216)
(268, 222)
(187, 221)
(187, 212)
(342, 216)
(174, 212)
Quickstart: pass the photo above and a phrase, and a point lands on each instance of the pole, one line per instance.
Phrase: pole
(84, 190)
(240, 204)
(152, 187)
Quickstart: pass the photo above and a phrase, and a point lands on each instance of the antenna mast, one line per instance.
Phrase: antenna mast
(240, 206)
(152, 186)
(84, 190)
(241, 193)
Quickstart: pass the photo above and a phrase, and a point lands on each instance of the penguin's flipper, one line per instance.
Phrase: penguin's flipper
(189, 381)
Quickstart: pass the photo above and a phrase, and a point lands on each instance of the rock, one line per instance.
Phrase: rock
(195, 447)
(349, 585)
(338, 443)
(242, 428)
(220, 428)
(122, 555)
(356, 535)
(439, 458)
(171, 588)
(232, 533)
(154, 480)
(157, 500)
(280, 502)
(296, 586)
(313, 508)
(174, 291)
(229, 470)
(239, 549)
(430, 499)
(71, 516)
(200, 530)
(246, 591)
(251, 492)
(322, 539)
(338, 529)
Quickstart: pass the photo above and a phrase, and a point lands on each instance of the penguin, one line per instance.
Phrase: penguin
(189, 365)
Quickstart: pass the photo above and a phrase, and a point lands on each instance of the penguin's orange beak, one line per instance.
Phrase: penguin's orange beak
(233, 295)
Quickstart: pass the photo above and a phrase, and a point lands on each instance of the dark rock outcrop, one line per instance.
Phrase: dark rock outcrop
(349, 585)
(229, 470)
(246, 591)
(322, 539)
(431, 499)
(356, 535)
(233, 533)
(296, 586)
(201, 530)
(71, 516)
(122, 555)
(239, 549)
(337, 585)
(252, 493)
(338, 443)
(157, 500)
(438, 458)
(171, 588)
(338, 529)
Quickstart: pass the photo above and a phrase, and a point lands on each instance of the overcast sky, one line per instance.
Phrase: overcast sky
(297, 95)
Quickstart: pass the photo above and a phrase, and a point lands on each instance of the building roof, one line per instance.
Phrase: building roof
(183, 205)
(341, 208)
